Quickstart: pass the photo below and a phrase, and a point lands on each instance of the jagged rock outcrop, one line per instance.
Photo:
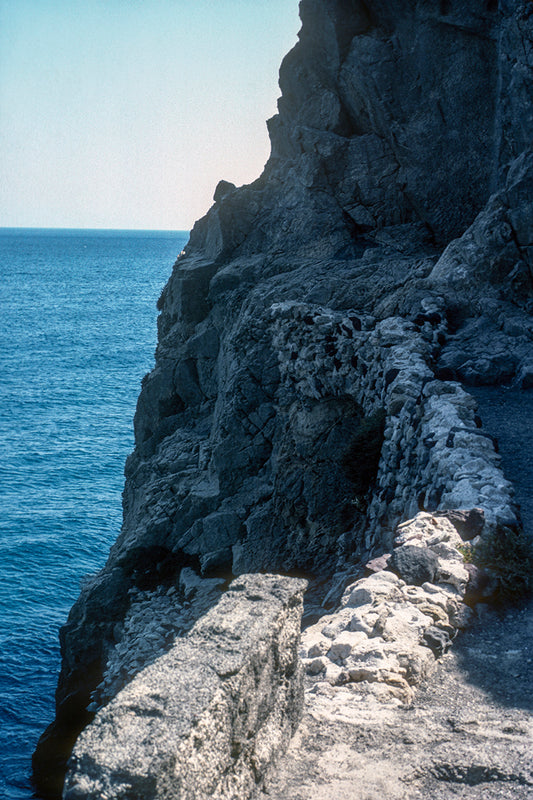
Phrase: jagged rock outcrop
(315, 332)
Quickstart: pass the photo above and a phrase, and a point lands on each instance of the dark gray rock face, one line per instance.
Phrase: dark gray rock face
(325, 313)
(394, 89)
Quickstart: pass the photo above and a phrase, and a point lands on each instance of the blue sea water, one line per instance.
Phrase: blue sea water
(77, 334)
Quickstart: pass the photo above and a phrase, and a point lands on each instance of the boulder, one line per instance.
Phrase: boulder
(414, 564)
(437, 639)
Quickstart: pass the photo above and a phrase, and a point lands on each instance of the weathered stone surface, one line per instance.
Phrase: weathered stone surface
(377, 564)
(467, 734)
(207, 719)
(388, 630)
(153, 621)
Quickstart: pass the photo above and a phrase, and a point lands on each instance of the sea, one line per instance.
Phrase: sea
(77, 334)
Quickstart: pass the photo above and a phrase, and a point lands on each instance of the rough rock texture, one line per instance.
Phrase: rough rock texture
(468, 734)
(206, 719)
(316, 334)
(388, 629)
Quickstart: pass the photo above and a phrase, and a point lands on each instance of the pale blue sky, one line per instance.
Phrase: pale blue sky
(126, 113)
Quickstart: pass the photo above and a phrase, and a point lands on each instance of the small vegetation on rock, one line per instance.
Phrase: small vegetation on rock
(468, 552)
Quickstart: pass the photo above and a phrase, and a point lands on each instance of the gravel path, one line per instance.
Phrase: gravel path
(507, 414)
(468, 735)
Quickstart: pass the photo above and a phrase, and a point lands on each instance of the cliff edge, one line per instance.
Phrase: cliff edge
(318, 337)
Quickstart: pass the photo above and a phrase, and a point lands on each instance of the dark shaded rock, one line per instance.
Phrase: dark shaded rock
(415, 565)
(222, 190)
(526, 376)
(361, 459)
(49, 762)
(387, 46)
(390, 375)
(499, 238)
(475, 774)
(507, 555)
(148, 567)
(437, 640)
(468, 524)
(479, 586)
(462, 617)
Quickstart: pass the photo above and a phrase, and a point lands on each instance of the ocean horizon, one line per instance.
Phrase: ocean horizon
(30, 231)
(77, 334)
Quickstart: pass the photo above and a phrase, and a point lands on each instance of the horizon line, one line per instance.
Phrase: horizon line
(103, 230)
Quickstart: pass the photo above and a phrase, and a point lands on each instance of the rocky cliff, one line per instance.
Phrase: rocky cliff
(318, 335)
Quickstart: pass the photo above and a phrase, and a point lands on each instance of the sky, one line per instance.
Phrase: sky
(127, 113)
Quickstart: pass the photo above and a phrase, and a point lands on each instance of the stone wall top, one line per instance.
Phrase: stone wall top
(207, 718)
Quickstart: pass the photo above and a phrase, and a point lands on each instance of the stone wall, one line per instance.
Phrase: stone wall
(435, 455)
(391, 625)
(207, 719)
